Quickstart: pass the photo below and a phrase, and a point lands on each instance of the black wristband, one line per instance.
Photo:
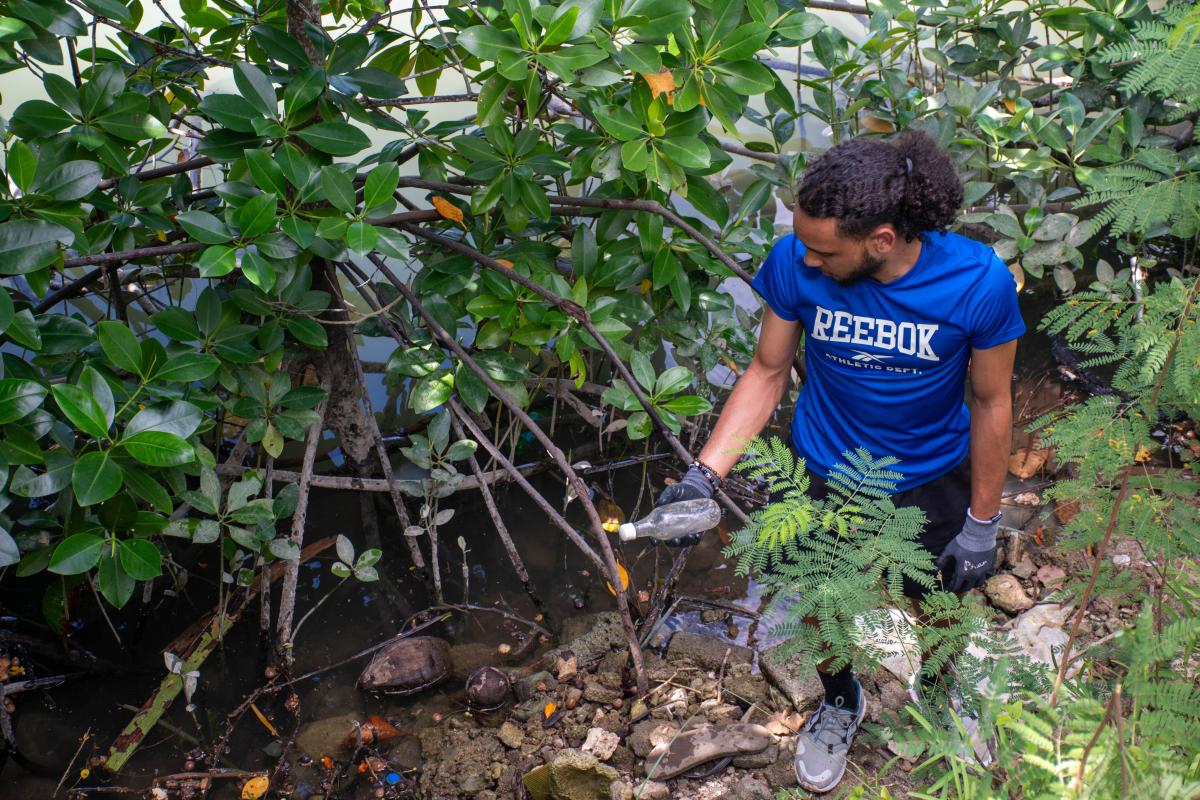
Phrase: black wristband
(710, 474)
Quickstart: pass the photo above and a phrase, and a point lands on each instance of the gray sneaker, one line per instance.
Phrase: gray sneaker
(823, 743)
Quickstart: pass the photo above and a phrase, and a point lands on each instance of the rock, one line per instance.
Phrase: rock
(466, 658)
(621, 790)
(1122, 560)
(324, 737)
(596, 635)
(893, 696)
(1025, 568)
(573, 697)
(782, 774)
(1007, 594)
(510, 735)
(601, 743)
(1039, 632)
(744, 687)
(706, 651)
(793, 675)
(537, 782)
(566, 665)
(646, 734)
(750, 789)
(596, 692)
(1050, 576)
(760, 760)
(406, 755)
(579, 776)
(473, 780)
(652, 790)
(467, 763)
(710, 616)
(535, 685)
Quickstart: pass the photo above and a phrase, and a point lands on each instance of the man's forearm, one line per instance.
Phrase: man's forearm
(753, 400)
(991, 442)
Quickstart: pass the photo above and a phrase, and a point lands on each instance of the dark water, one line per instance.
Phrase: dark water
(49, 724)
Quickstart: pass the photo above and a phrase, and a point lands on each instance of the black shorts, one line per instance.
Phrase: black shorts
(944, 500)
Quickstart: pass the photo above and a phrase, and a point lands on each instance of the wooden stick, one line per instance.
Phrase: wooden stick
(291, 575)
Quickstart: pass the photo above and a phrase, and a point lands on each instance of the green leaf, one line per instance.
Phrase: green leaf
(257, 215)
(641, 57)
(7, 310)
(489, 108)
(55, 478)
(688, 404)
(148, 489)
(754, 198)
(28, 245)
(303, 88)
(76, 554)
(642, 369)
(620, 123)
(560, 28)
(502, 366)
(255, 87)
(114, 11)
(71, 180)
(186, 368)
(267, 174)
(62, 334)
(112, 582)
(178, 417)
(38, 119)
(308, 332)
(140, 558)
(158, 449)
(430, 392)
(380, 184)
(93, 383)
(258, 270)
(800, 26)
(9, 552)
(745, 77)
(230, 111)
(470, 388)
(361, 237)
(335, 138)
(217, 261)
(121, 345)
(487, 43)
(129, 118)
(672, 381)
(338, 189)
(204, 227)
(639, 425)
(284, 549)
(272, 441)
(688, 152)
(743, 42)
(21, 165)
(81, 409)
(96, 478)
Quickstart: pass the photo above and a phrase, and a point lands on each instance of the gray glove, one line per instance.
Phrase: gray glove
(969, 558)
(693, 486)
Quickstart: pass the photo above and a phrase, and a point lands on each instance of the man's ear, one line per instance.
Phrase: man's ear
(883, 239)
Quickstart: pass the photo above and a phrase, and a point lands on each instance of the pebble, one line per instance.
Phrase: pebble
(510, 735)
(601, 743)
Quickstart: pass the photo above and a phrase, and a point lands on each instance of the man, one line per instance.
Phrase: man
(897, 314)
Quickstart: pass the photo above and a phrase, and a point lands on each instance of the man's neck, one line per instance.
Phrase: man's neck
(900, 260)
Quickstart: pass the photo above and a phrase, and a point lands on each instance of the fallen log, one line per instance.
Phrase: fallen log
(193, 646)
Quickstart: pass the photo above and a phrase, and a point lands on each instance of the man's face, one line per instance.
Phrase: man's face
(841, 258)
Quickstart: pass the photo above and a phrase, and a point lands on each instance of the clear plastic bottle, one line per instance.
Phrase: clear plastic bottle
(673, 520)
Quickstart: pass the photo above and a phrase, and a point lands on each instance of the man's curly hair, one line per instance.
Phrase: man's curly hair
(865, 183)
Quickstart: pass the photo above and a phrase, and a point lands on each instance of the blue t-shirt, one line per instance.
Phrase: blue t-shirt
(887, 362)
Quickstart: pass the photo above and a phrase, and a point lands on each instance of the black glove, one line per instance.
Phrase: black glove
(693, 486)
(969, 558)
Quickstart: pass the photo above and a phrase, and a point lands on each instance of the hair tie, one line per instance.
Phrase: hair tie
(907, 167)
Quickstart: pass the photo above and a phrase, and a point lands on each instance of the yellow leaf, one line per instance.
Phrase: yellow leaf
(266, 722)
(256, 787)
(624, 573)
(1142, 456)
(645, 286)
(448, 210)
(162, 235)
(662, 83)
(611, 515)
(504, 262)
(549, 710)
(876, 125)
(1011, 105)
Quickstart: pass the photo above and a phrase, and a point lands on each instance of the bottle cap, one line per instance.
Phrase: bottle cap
(627, 532)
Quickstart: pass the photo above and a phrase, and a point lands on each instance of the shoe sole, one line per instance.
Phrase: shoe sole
(836, 779)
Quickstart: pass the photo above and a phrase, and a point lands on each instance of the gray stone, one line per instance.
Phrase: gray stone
(782, 774)
(707, 651)
(639, 737)
(579, 776)
(750, 789)
(591, 636)
(1007, 594)
(652, 790)
(510, 735)
(324, 737)
(793, 675)
(744, 687)
(595, 692)
(406, 755)
(1025, 568)
(760, 760)
(473, 780)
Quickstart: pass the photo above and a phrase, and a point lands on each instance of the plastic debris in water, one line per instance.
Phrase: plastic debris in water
(392, 778)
